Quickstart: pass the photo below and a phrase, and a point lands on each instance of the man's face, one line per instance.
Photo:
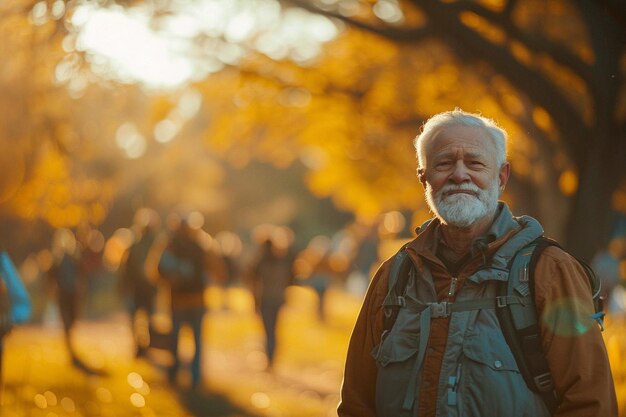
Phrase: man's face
(461, 176)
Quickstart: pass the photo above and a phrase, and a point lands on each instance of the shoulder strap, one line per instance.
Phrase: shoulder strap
(518, 319)
(519, 322)
(398, 279)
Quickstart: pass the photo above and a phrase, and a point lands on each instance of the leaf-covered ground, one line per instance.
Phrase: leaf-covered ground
(40, 380)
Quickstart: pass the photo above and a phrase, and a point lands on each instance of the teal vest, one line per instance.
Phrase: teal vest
(479, 375)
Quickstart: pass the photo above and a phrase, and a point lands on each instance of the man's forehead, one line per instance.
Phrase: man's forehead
(468, 139)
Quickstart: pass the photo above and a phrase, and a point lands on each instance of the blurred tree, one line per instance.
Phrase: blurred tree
(81, 147)
(566, 58)
(70, 142)
(350, 118)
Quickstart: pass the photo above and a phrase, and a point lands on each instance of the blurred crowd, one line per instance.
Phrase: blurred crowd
(157, 271)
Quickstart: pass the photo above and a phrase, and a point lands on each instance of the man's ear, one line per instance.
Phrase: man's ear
(503, 175)
(421, 176)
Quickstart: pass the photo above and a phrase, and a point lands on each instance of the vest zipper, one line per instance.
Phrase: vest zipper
(452, 289)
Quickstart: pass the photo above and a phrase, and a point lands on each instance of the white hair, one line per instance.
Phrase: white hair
(458, 117)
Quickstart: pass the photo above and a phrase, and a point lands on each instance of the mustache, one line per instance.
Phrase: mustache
(465, 188)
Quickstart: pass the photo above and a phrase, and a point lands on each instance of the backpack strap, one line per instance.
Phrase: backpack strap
(401, 269)
(520, 326)
(515, 308)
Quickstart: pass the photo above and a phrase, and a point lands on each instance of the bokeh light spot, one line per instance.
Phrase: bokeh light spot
(134, 380)
(260, 400)
(51, 398)
(137, 400)
(40, 401)
(568, 182)
(68, 404)
(104, 395)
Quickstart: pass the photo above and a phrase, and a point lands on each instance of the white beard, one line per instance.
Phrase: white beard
(463, 210)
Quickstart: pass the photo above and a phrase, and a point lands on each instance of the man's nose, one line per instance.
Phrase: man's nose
(460, 173)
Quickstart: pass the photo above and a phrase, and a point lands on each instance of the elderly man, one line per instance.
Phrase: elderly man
(459, 363)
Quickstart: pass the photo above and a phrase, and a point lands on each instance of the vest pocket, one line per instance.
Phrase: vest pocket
(395, 356)
(491, 383)
(491, 351)
(395, 348)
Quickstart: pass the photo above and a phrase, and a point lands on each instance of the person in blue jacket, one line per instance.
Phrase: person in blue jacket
(15, 304)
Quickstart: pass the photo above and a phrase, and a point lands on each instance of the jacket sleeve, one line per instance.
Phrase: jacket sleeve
(21, 306)
(359, 381)
(572, 340)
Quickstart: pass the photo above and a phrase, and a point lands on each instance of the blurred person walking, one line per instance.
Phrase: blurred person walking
(91, 243)
(366, 259)
(320, 279)
(318, 272)
(15, 304)
(64, 276)
(182, 265)
(271, 272)
(135, 282)
(230, 248)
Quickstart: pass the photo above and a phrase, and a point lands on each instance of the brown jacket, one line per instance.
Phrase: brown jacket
(578, 362)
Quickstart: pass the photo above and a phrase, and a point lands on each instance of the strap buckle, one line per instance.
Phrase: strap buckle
(393, 303)
(439, 310)
(502, 301)
(544, 382)
(599, 318)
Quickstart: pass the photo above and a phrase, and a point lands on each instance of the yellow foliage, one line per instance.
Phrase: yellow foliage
(619, 199)
(568, 182)
(542, 119)
(521, 52)
(483, 27)
(344, 117)
(51, 194)
(572, 86)
(350, 117)
(513, 104)
(160, 108)
(558, 21)
(495, 5)
(12, 161)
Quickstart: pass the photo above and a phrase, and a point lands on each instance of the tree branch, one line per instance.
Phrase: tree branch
(398, 34)
(469, 44)
(508, 8)
(534, 42)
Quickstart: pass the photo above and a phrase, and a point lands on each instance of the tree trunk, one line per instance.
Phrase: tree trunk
(601, 165)
(589, 225)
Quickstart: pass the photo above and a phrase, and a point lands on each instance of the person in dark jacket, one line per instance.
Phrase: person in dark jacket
(183, 266)
(270, 275)
(136, 283)
(68, 283)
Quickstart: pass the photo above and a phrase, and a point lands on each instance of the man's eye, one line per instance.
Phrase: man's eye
(444, 164)
(476, 164)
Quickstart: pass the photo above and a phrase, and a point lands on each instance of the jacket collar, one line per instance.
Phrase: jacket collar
(504, 238)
